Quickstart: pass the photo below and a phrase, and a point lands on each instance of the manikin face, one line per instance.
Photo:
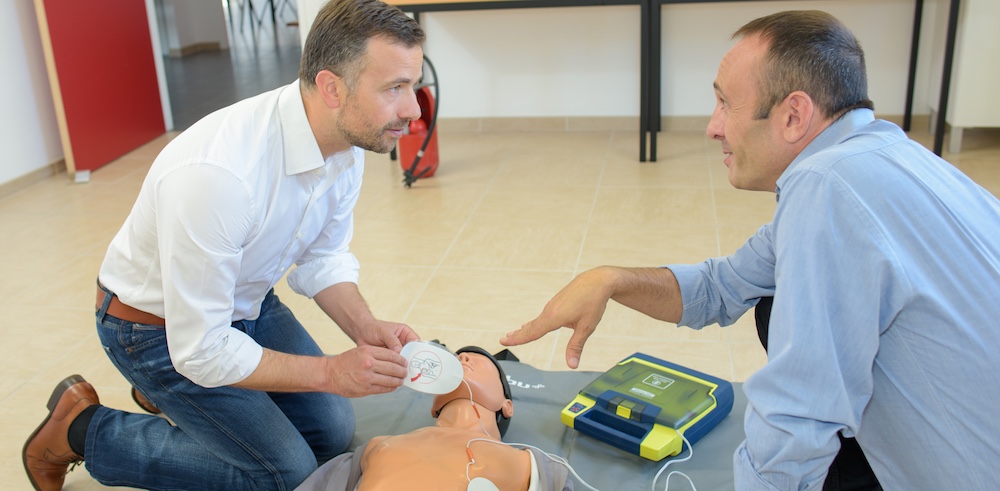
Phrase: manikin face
(482, 378)
(382, 103)
(752, 147)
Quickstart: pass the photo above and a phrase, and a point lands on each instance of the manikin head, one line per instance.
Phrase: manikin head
(487, 382)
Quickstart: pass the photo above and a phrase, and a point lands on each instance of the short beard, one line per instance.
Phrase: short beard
(371, 140)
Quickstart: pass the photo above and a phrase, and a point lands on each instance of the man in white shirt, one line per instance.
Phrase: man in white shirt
(185, 302)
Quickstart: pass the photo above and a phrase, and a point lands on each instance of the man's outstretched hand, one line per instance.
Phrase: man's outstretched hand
(579, 306)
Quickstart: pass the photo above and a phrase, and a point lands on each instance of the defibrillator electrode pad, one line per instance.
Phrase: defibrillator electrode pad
(431, 368)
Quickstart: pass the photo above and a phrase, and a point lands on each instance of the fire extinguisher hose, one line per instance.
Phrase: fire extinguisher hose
(408, 176)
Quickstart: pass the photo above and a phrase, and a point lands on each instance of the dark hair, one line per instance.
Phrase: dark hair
(811, 51)
(502, 421)
(339, 37)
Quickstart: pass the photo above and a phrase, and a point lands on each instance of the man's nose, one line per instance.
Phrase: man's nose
(411, 109)
(715, 129)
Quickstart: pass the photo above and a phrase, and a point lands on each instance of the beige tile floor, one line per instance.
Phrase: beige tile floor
(462, 257)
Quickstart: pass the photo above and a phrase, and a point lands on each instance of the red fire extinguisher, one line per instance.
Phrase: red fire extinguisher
(418, 149)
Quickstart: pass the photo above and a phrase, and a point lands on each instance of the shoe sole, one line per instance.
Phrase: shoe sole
(57, 394)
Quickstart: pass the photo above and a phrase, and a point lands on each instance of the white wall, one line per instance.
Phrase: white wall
(307, 12)
(696, 37)
(184, 23)
(571, 61)
(198, 21)
(29, 133)
(976, 66)
(584, 61)
(581, 61)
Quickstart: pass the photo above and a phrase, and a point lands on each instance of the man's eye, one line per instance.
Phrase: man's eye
(396, 89)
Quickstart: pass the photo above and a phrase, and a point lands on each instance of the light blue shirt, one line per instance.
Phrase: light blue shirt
(884, 263)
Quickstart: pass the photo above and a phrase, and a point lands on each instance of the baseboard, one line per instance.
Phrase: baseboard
(604, 123)
(10, 187)
(536, 124)
(684, 123)
(571, 123)
(194, 48)
(919, 122)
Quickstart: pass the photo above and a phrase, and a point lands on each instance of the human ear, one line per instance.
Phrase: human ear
(507, 409)
(797, 111)
(331, 88)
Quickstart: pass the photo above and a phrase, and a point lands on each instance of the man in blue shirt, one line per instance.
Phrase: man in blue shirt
(882, 260)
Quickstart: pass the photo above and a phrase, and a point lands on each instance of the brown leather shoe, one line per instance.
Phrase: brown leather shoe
(47, 454)
(144, 403)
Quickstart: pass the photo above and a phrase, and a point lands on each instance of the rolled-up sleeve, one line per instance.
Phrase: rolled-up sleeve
(720, 290)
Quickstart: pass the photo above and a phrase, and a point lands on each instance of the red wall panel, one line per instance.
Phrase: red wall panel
(106, 74)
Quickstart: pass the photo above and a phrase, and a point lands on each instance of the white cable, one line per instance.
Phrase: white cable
(561, 461)
(690, 454)
(667, 484)
(477, 413)
(481, 425)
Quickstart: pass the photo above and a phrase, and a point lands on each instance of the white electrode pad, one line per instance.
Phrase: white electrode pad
(482, 484)
(431, 368)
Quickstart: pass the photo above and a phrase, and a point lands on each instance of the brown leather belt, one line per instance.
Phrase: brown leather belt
(117, 309)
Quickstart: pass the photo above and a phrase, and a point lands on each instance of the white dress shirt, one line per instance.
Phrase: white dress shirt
(226, 209)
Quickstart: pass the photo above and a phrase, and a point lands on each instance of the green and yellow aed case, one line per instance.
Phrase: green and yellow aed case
(643, 405)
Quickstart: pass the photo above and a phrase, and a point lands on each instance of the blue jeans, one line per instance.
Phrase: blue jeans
(222, 438)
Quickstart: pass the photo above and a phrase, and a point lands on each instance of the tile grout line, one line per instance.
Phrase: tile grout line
(454, 240)
(586, 233)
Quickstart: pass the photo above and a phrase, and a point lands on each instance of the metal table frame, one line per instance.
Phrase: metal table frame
(650, 54)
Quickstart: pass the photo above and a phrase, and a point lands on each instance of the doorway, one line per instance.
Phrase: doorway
(261, 55)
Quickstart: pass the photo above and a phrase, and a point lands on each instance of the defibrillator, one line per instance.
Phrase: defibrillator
(648, 406)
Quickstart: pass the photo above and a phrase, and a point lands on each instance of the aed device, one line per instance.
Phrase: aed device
(643, 405)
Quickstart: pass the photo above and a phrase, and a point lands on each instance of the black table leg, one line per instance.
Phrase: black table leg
(655, 49)
(644, 62)
(949, 58)
(912, 76)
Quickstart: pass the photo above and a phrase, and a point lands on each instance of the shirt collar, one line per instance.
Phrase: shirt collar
(836, 133)
(301, 152)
